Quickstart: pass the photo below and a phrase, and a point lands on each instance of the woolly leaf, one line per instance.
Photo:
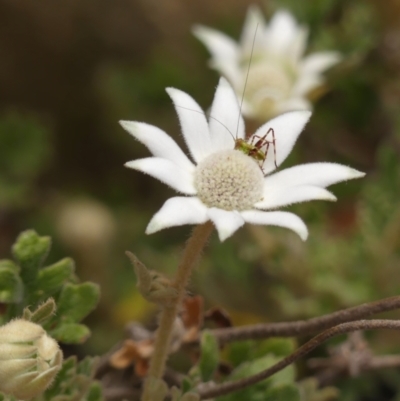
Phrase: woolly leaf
(209, 358)
(11, 286)
(77, 301)
(30, 250)
(71, 333)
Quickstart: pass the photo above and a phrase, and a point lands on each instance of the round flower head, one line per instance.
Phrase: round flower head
(29, 359)
(280, 77)
(230, 181)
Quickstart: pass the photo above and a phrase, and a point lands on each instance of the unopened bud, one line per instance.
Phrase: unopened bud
(152, 285)
(29, 359)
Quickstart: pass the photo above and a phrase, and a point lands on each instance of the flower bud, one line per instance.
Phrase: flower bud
(152, 285)
(29, 359)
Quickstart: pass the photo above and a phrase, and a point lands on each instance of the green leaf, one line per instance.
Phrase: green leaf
(253, 367)
(283, 392)
(51, 278)
(42, 313)
(71, 333)
(30, 250)
(187, 384)
(11, 286)
(77, 301)
(209, 358)
(87, 366)
(258, 391)
(95, 392)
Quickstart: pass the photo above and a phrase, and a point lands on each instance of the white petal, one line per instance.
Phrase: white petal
(218, 44)
(283, 31)
(231, 72)
(193, 123)
(225, 120)
(253, 28)
(226, 222)
(293, 104)
(318, 62)
(286, 127)
(288, 196)
(178, 211)
(306, 83)
(298, 45)
(312, 174)
(167, 172)
(158, 142)
(280, 219)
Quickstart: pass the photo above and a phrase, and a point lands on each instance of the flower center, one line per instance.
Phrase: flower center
(268, 84)
(229, 180)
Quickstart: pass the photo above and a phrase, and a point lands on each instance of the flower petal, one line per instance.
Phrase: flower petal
(306, 83)
(280, 219)
(226, 222)
(193, 123)
(167, 172)
(158, 142)
(298, 45)
(178, 211)
(292, 104)
(288, 196)
(318, 62)
(225, 120)
(218, 44)
(311, 174)
(224, 52)
(253, 31)
(286, 127)
(282, 32)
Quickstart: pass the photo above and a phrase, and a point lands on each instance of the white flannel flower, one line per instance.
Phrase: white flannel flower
(280, 77)
(224, 184)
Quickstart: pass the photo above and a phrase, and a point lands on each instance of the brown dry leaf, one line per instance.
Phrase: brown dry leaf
(139, 352)
(133, 352)
(192, 317)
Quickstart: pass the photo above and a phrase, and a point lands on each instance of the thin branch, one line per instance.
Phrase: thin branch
(229, 387)
(303, 327)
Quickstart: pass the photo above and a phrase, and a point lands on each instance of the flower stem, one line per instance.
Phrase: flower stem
(191, 256)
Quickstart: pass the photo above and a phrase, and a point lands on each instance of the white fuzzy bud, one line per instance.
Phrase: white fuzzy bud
(29, 359)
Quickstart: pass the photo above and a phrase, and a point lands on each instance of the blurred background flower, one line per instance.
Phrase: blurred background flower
(267, 67)
(70, 70)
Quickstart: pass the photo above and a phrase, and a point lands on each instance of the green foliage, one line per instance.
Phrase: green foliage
(42, 313)
(75, 382)
(27, 287)
(24, 152)
(310, 391)
(11, 287)
(252, 357)
(209, 358)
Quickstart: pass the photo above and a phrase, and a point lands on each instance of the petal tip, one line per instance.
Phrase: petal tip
(357, 174)
(129, 164)
(127, 125)
(304, 235)
(153, 227)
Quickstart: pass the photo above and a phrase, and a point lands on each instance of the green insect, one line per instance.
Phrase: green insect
(258, 147)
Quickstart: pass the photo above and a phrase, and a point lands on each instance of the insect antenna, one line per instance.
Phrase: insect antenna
(213, 118)
(245, 81)
(242, 99)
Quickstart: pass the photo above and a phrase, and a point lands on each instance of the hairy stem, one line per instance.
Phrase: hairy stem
(191, 256)
(304, 327)
(229, 387)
